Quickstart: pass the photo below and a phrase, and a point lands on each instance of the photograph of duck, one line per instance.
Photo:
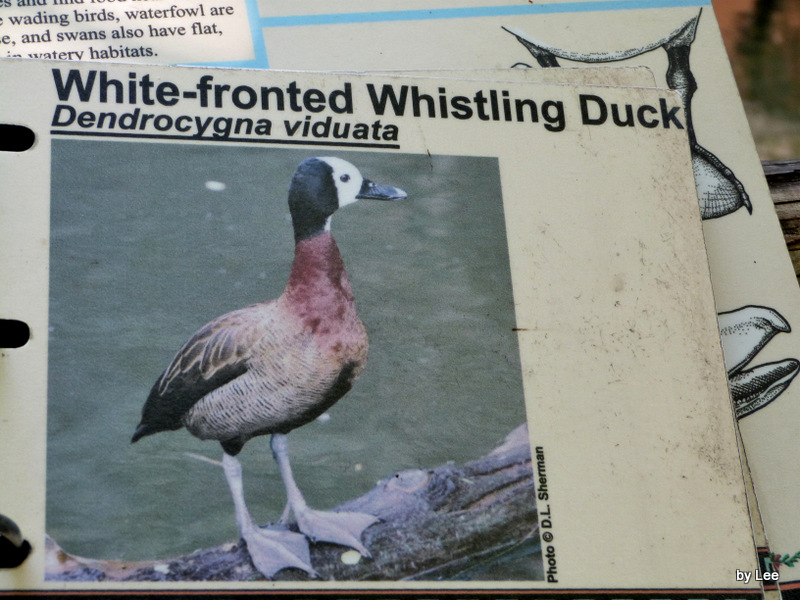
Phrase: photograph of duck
(152, 242)
(272, 367)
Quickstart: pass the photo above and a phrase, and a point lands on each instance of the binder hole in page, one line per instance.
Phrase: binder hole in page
(16, 138)
(13, 333)
(14, 549)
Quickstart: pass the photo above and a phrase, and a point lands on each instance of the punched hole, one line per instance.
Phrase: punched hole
(14, 549)
(14, 333)
(15, 138)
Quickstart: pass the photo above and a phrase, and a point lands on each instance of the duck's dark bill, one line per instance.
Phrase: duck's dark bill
(372, 191)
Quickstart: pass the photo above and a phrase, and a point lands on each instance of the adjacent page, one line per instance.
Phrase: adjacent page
(544, 406)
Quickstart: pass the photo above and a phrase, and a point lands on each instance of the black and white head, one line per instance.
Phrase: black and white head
(320, 186)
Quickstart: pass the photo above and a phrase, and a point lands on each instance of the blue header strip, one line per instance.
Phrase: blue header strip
(259, 60)
(481, 11)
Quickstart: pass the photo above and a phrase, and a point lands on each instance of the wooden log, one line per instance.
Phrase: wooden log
(783, 177)
(434, 524)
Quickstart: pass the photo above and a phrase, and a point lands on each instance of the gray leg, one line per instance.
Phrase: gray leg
(343, 528)
(270, 550)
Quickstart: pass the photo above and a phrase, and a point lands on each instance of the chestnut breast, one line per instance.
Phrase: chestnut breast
(311, 348)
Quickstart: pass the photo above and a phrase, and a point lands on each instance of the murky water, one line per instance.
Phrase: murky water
(144, 252)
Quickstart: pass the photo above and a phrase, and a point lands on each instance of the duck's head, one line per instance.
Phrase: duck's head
(320, 186)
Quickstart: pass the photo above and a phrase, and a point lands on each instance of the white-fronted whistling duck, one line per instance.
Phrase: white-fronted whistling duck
(277, 365)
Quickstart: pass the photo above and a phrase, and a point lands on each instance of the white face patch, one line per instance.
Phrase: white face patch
(347, 179)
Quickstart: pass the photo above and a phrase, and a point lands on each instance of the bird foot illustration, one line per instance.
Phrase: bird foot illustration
(744, 333)
(274, 549)
(755, 388)
(344, 528)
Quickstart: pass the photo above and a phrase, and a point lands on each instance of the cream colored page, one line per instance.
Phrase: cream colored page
(746, 251)
(754, 281)
(624, 385)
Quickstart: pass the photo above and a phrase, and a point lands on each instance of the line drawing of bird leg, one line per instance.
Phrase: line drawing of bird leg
(343, 528)
(719, 191)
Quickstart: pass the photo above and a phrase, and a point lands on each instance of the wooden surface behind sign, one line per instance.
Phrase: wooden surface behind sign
(783, 177)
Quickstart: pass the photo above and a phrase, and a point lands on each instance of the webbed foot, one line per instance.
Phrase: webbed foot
(270, 549)
(273, 549)
(344, 528)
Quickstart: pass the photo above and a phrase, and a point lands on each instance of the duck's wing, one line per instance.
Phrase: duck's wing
(216, 354)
